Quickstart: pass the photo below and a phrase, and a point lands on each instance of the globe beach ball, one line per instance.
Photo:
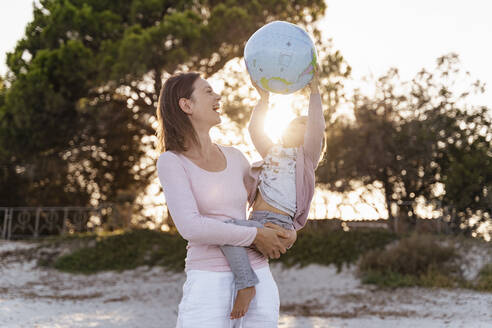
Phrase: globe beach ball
(280, 57)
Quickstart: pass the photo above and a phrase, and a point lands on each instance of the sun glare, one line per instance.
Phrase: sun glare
(279, 116)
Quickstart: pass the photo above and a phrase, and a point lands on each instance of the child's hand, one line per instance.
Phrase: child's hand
(314, 84)
(263, 94)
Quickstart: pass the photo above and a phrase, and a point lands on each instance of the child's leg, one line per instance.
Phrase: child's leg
(281, 220)
(244, 277)
(238, 260)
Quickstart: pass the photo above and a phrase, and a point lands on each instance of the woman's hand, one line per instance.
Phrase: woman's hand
(291, 234)
(268, 242)
(264, 95)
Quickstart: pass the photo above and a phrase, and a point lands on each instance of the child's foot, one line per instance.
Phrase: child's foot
(241, 304)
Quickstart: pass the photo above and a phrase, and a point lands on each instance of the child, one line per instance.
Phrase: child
(284, 179)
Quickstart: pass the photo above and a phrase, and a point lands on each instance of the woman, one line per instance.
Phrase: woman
(204, 188)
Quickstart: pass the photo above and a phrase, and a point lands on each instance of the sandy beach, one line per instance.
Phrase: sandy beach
(314, 296)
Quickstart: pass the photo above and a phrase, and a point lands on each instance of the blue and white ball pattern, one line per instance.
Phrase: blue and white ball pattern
(280, 57)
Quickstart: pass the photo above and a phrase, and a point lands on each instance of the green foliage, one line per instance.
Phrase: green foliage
(431, 279)
(3, 90)
(410, 137)
(84, 83)
(467, 179)
(412, 261)
(418, 260)
(334, 247)
(484, 281)
(130, 249)
(388, 279)
(78, 237)
(127, 251)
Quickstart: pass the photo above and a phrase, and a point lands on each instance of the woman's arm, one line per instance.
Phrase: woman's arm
(204, 230)
(184, 210)
(256, 125)
(315, 127)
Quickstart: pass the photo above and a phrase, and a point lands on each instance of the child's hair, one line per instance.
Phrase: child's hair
(287, 134)
(304, 119)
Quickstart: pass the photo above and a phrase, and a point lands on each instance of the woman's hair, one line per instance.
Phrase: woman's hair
(175, 128)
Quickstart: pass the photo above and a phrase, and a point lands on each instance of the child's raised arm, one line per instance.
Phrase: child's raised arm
(256, 130)
(315, 127)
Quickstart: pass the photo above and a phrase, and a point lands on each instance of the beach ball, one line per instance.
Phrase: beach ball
(280, 57)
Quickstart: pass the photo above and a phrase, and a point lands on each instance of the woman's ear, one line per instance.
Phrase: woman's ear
(184, 104)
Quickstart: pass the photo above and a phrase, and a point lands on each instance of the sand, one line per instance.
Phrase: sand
(314, 296)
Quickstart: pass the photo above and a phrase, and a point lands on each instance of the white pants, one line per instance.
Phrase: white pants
(208, 298)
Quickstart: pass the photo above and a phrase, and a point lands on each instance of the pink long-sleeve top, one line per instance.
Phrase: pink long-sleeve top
(200, 201)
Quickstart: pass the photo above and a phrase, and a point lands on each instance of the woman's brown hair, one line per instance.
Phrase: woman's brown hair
(175, 128)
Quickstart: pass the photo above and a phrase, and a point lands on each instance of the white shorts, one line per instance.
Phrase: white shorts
(208, 298)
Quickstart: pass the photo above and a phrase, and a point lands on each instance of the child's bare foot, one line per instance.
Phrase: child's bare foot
(241, 304)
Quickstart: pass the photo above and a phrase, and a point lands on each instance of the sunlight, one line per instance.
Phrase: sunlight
(279, 115)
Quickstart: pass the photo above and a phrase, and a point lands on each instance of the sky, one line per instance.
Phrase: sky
(14, 16)
(372, 35)
(410, 34)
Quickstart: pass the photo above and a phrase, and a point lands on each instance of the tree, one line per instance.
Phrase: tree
(413, 139)
(467, 179)
(76, 118)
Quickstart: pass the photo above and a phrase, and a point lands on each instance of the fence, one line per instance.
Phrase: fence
(34, 222)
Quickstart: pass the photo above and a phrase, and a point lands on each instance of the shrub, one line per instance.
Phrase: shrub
(334, 247)
(416, 260)
(127, 251)
(130, 249)
(484, 281)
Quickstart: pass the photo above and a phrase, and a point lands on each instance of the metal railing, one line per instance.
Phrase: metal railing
(34, 222)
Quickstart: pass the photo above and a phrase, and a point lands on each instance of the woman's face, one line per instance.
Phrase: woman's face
(204, 104)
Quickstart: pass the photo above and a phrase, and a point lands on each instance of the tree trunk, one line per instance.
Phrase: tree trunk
(393, 224)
